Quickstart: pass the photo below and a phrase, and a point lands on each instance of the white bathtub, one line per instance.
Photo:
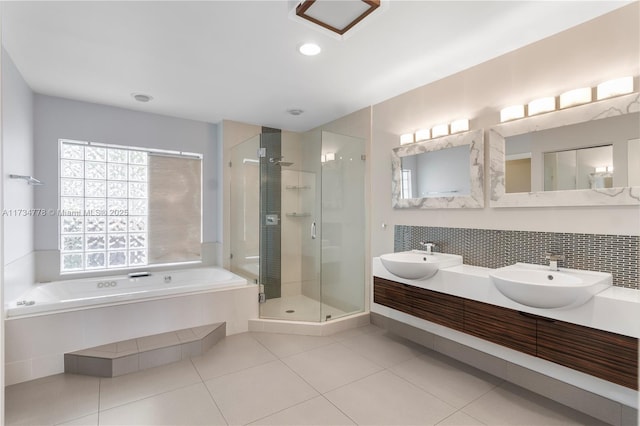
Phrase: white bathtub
(91, 292)
(76, 314)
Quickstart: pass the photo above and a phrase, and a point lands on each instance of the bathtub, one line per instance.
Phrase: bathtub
(64, 316)
(91, 292)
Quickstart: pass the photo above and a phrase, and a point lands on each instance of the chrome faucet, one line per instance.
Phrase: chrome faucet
(428, 247)
(553, 260)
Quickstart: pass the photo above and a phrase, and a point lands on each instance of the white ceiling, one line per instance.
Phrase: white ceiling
(238, 60)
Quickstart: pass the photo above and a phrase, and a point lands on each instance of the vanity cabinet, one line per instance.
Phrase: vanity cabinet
(609, 356)
(499, 325)
(429, 305)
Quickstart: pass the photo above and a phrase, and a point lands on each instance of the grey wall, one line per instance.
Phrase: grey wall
(57, 118)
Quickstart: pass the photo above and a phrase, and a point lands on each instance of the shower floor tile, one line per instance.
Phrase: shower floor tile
(298, 308)
(363, 376)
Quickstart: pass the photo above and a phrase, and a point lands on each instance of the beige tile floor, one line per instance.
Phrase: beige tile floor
(363, 376)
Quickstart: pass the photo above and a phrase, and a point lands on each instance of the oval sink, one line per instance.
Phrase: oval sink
(416, 264)
(539, 287)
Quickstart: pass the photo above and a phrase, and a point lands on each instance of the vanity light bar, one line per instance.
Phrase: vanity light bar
(607, 89)
(456, 126)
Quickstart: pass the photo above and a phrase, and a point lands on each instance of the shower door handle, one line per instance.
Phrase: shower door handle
(313, 230)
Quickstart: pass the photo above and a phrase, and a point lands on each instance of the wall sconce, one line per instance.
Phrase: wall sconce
(330, 156)
(461, 125)
(423, 135)
(440, 130)
(541, 105)
(406, 139)
(575, 97)
(617, 87)
(512, 112)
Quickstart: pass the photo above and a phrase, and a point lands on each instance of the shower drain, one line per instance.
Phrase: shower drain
(289, 311)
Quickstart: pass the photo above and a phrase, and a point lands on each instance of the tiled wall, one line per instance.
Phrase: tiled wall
(270, 203)
(617, 254)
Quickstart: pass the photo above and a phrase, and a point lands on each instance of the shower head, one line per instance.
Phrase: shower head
(278, 162)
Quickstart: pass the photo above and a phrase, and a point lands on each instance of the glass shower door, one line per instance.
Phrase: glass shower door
(245, 210)
(342, 241)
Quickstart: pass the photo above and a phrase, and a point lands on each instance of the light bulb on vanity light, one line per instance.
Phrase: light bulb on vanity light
(575, 97)
(440, 130)
(512, 112)
(617, 87)
(423, 135)
(541, 105)
(461, 125)
(407, 138)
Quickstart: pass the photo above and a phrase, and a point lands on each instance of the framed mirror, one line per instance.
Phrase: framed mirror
(586, 155)
(441, 173)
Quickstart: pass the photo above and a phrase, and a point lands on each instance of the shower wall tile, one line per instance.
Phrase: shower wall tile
(616, 254)
(270, 203)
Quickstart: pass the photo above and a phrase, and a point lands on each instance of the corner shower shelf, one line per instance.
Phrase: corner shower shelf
(130, 356)
(294, 214)
(297, 187)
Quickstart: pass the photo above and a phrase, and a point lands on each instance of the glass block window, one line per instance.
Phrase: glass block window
(125, 207)
(103, 203)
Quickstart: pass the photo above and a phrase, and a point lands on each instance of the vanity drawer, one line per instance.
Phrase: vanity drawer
(610, 356)
(437, 307)
(429, 305)
(392, 294)
(499, 325)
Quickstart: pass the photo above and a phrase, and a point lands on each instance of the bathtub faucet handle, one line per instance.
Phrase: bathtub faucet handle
(139, 274)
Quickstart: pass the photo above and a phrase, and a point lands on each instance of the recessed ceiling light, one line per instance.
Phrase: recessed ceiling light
(295, 111)
(141, 97)
(309, 49)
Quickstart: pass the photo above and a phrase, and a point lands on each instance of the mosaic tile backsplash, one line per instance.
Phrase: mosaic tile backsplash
(617, 254)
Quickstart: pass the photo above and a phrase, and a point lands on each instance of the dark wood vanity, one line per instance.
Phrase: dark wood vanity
(609, 356)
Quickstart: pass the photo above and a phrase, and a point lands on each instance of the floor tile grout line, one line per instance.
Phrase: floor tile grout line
(242, 369)
(283, 409)
(339, 409)
(420, 388)
(99, 399)
(209, 391)
(456, 412)
(155, 394)
(297, 353)
(149, 396)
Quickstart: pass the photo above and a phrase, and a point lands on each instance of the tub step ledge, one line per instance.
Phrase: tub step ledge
(130, 356)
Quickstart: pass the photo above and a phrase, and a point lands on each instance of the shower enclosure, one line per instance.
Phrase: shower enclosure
(298, 223)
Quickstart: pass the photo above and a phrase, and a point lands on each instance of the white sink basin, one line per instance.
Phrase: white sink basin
(416, 264)
(539, 287)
